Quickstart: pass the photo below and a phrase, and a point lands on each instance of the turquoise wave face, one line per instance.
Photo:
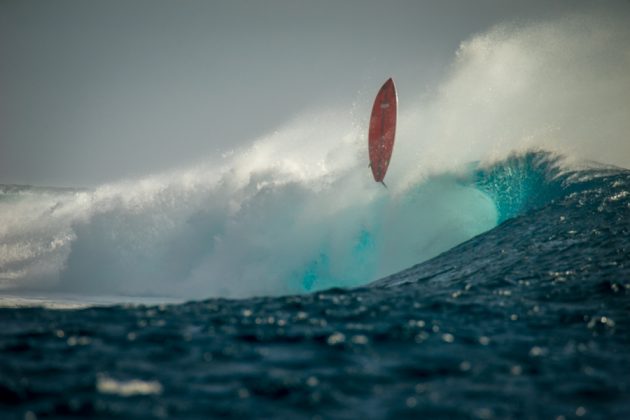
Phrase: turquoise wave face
(396, 231)
(522, 182)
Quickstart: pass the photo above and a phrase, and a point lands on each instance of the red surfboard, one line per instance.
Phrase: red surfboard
(382, 130)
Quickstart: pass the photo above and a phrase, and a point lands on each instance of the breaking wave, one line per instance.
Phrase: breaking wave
(297, 211)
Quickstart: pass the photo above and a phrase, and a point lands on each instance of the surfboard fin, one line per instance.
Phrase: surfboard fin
(385, 185)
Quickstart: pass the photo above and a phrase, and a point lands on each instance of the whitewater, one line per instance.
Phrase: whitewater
(296, 211)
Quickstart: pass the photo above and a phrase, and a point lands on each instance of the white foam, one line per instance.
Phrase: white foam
(128, 388)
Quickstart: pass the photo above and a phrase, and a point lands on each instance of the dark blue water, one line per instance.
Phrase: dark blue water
(528, 320)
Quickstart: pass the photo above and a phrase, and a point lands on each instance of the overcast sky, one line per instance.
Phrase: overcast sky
(96, 91)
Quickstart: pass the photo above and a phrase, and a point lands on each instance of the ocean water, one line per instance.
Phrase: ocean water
(491, 280)
(530, 319)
